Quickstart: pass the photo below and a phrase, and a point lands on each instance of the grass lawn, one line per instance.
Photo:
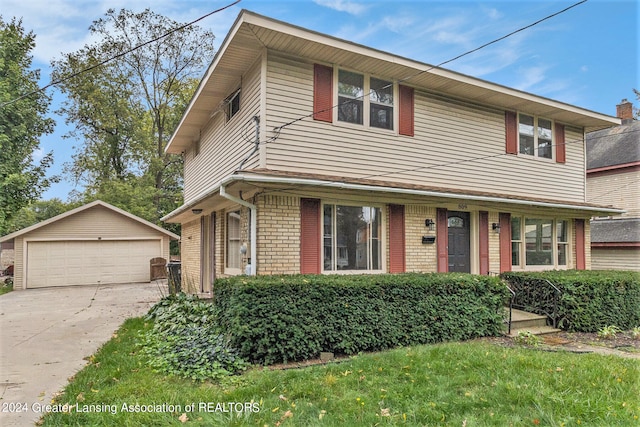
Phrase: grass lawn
(5, 288)
(457, 384)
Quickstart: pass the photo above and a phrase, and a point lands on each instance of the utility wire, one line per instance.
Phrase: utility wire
(279, 128)
(120, 55)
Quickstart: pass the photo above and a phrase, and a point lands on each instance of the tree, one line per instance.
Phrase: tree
(38, 211)
(125, 110)
(22, 122)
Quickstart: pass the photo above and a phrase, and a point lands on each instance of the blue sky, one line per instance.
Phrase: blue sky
(587, 56)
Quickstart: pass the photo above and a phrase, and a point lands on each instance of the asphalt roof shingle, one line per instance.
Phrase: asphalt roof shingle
(614, 146)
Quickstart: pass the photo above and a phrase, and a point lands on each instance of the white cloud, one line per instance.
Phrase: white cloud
(350, 7)
(37, 155)
(531, 76)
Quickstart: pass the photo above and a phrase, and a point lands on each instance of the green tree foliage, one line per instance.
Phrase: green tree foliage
(38, 211)
(22, 123)
(124, 111)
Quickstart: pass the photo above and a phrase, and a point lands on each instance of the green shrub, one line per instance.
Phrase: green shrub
(590, 300)
(186, 340)
(528, 338)
(273, 319)
(608, 332)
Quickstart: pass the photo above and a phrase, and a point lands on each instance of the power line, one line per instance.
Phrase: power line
(120, 55)
(576, 141)
(278, 129)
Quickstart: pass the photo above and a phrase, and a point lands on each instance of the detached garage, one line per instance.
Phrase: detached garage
(94, 244)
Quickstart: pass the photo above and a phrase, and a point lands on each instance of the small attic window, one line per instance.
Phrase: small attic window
(232, 104)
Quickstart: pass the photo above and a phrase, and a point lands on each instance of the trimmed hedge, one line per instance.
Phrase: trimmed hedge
(272, 319)
(590, 300)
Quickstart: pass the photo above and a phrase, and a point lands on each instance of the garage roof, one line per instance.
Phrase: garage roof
(83, 208)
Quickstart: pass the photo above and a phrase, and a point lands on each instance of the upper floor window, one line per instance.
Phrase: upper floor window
(365, 100)
(232, 104)
(362, 100)
(535, 136)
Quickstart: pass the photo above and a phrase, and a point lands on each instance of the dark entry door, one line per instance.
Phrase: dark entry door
(459, 242)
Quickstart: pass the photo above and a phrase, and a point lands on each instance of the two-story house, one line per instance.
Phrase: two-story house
(613, 177)
(305, 153)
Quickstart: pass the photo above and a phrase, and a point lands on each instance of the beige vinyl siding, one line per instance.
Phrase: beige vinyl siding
(617, 189)
(93, 223)
(456, 145)
(223, 145)
(18, 266)
(615, 259)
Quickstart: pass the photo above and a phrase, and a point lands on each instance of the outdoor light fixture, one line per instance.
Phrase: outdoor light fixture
(495, 227)
(196, 211)
(430, 224)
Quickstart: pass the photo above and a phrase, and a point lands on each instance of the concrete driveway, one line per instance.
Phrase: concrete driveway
(45, 334)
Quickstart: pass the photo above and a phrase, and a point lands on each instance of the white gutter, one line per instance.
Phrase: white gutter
(254, 225)
(347, 186)
(407, 191)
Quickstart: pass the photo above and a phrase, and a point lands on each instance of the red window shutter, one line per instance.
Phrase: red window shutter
(581, 257)
(396, 239)
(505, 242)
(561, 152)
(310, 242)
(406, 106)
(511, 132)
(483, 238)
(442, 240)
(322, 93)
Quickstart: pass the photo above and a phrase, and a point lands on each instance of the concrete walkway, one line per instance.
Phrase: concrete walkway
(45, 334)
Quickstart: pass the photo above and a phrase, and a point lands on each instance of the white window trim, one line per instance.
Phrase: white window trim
(383, 237)
(366, 103)
(535, 138)
(231, 271)
(522, 266)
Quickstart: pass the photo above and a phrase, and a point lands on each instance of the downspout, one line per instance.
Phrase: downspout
(254, 225)
(252, 207)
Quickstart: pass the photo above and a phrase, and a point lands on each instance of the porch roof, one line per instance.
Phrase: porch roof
(268, 178)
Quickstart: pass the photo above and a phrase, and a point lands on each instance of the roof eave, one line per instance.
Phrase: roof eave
(270, 179)
(476, 89)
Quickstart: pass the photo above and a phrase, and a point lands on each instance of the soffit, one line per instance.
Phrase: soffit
(252, 34)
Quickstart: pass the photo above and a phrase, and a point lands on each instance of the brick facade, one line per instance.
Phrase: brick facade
(278, 240)
(190, 255)
(420, 257)
(278, 234)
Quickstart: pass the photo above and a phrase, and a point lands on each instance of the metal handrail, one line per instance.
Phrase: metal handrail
(556, 295)
(551, 314)
(513, 297)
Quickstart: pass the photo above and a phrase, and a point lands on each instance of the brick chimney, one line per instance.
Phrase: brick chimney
(624, 111)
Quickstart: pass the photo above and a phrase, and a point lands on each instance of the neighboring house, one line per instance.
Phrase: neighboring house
(94, 244)
(613, 177)
(305, 153)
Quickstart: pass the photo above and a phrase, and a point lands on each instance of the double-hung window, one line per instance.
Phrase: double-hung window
(535, 136)
(352, 238)
(365, 100)
(234, 260)
(539, 242)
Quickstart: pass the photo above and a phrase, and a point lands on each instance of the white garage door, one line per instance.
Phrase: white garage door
(68, 263)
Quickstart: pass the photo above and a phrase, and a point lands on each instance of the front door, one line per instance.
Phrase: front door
(459, 241)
